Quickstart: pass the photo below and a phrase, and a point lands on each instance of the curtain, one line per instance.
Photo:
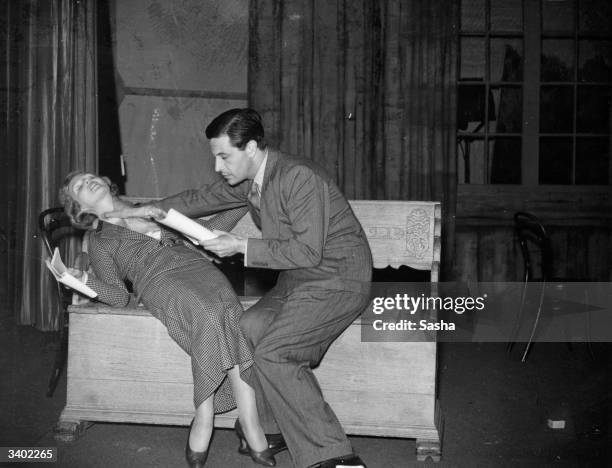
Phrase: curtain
(367, 88)
(57, 121)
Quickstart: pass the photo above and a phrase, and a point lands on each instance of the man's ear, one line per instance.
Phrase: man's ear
(251, 148)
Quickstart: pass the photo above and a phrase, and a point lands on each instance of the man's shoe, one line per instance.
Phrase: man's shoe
(348, 461)
(276, 443)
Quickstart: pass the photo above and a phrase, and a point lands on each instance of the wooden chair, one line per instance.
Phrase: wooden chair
(532, 238)
(54, 225)
(538, 264)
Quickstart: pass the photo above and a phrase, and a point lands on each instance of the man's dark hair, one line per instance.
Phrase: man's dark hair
(240, 125)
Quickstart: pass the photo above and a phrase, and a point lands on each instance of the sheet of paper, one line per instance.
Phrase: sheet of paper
(187, 226)
(59, 270)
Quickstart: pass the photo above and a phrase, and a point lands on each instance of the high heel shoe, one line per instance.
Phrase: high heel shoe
(265, 457)
(276, 442)
(194, 459)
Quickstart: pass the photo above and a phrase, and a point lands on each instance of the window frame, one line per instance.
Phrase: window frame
(490, 205)
(532, 36)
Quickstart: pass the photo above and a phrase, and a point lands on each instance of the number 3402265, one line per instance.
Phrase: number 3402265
(22, 454)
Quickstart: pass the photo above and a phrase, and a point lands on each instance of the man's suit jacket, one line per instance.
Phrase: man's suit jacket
(309, 230)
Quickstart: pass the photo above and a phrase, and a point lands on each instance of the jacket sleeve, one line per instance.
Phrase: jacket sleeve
(106, 280)
(304, 199)
(208, 199)
(225, 221)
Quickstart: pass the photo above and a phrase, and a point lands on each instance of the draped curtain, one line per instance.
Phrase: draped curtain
(56, 71)
(367, 88)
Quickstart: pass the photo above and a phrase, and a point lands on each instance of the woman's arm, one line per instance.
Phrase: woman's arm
(106, 280)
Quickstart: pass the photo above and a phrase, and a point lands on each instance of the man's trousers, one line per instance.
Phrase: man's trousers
(289, 331)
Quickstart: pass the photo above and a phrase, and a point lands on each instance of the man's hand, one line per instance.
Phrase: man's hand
(225, 244)
(144, 211)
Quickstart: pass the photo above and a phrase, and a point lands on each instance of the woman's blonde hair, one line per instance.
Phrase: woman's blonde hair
(79, 218)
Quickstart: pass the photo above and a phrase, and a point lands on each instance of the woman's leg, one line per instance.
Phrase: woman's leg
(201, 430)
(247, 411)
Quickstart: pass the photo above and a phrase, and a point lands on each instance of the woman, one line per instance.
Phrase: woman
(185, 291)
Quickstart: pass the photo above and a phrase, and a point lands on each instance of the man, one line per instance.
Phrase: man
(311, 235)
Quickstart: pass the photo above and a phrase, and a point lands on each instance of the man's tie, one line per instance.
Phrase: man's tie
(255, 195)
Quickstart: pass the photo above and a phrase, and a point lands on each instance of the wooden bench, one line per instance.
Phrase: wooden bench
(123, 366)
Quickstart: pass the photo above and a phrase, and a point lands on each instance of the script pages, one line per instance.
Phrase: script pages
(181, 223)
(59, 270)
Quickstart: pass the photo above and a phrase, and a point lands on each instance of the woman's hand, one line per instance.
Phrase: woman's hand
(144, 211)
(78, 274)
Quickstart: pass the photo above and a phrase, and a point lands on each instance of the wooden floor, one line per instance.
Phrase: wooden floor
(495, 410)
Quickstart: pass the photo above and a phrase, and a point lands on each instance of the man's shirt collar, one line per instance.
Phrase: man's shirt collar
(259, 175)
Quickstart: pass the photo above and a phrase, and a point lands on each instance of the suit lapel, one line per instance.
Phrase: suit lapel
(267, 196)
(273, 157)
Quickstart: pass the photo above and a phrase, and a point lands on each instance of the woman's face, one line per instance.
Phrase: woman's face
(89, 190)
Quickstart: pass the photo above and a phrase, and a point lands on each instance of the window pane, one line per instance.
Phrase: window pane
(505, 160)
(593, 109)
(506, 15)
(592, 161)
(557, 60)
(471, 108)
(558, 16)
(470, 160)
(556, 109)
(508, 107)
(506, 60)
(555, 160)
(595, 61)
(473, 15)
(472, 58)
(595, 16)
